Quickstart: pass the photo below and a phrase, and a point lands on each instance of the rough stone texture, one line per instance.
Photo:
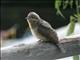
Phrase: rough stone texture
(41, 51)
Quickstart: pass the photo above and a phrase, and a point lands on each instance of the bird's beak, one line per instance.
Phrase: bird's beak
(25, 17)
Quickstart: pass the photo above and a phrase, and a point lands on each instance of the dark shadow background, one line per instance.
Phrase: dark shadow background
(14, 12)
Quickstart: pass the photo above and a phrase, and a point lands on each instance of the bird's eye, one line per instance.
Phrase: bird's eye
(34, 17)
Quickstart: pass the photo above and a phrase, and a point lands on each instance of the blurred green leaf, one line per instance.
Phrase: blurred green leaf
(76, 57)
(72, 19)
(71, 3)
(79, 18)
(77, 10)
(65, 4)
(75, 15)
(57, 6)
(71, 25)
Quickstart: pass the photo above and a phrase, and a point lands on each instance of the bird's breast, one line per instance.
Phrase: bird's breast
(34, 29)
(36, 34)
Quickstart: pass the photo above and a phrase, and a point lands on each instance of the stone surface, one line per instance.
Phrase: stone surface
(40, 51)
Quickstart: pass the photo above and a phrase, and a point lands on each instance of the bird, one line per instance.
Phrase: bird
(42, 29)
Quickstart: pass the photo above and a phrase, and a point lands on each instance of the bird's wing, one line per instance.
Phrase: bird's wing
(45, 24)
(45, 30)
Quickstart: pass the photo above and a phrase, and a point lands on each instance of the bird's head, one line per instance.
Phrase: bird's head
(32, 16)
(33, 19)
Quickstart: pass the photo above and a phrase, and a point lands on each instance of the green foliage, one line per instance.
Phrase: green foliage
(57, 6)
(71, 3)
(64, 4)
(77, 10)
(76, 57)
(79, 18)
(74, 18)
(71, 25)
(67, 2)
